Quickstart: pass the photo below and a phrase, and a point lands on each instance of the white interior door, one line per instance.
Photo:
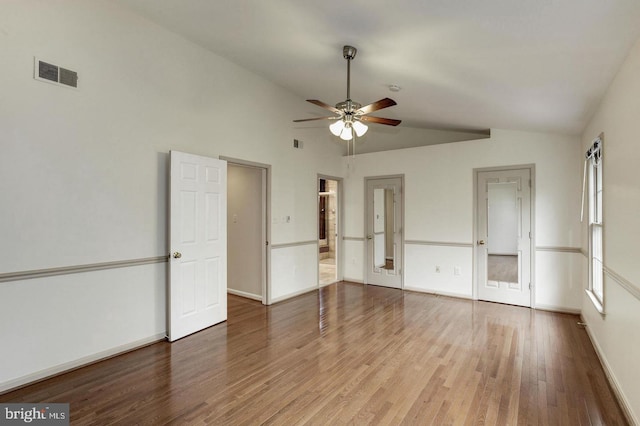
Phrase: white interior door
(384, 232)
(503, 248)
(198, 242)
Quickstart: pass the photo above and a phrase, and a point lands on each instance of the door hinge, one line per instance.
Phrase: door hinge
(529, 234)
(529, 286)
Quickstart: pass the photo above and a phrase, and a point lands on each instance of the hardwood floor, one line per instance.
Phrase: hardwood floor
(351, 354)
(327, 271)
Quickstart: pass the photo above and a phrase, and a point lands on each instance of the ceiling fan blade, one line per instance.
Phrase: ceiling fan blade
(325, 106)
(316, 118)
(380, 120)
(375, 106)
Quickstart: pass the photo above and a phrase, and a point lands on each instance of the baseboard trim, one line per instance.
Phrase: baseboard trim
(438, 293)
(292, 295)
(613, 382)
(353, 280)
(550, 308)
(559, 309)
(48, 373)
(244, 294)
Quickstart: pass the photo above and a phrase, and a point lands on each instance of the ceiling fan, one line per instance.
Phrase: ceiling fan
(349, 114)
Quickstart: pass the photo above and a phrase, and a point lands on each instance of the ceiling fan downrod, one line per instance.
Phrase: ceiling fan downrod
(350, 114)
(349, 52)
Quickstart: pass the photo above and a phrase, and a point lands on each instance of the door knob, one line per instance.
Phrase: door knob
(177, 255)
(480, 242)
(369, 237)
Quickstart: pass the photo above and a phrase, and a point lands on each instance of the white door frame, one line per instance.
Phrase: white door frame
(266, 195)
(401, 227)
(476, 172)
(339, 239)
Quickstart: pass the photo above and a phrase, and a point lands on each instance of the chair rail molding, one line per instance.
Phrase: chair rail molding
(66, 270)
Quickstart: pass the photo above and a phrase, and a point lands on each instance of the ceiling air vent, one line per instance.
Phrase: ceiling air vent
(46, 71)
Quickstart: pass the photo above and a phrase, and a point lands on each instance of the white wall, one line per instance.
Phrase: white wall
(617, 334)
(297, 266)
(439, 209)
(83, 173)
(52, 324)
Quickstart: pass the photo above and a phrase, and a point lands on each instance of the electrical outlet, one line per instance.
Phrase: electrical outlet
(457, 271)
(438, 269)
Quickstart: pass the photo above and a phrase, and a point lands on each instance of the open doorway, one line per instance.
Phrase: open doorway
(328, 226)
(247, 229)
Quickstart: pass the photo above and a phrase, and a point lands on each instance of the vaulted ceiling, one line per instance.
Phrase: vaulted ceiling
(539, 65)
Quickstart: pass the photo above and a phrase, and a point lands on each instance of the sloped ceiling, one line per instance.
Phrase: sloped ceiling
(538, 65)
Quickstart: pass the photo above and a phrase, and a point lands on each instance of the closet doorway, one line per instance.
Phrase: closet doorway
(247, 229)
(384, 224)
(328, 230)
(504, 235)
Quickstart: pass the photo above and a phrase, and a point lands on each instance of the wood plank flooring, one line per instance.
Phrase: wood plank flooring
(351, 354)
(327, 271)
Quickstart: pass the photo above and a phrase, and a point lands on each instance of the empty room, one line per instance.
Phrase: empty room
(320, 212)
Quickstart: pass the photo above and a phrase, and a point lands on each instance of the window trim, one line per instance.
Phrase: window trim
(595, 288)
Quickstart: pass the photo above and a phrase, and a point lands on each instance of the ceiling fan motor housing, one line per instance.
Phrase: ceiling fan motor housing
(348, 106)
(349, 52)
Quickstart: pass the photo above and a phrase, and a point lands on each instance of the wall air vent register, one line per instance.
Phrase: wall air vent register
(50, 73)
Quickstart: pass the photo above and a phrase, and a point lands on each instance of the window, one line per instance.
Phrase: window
(596, 281)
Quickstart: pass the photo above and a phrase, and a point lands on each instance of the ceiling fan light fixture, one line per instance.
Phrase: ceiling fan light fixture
(360, 128)
(348, 114)
(347, 134)
(337, 127)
